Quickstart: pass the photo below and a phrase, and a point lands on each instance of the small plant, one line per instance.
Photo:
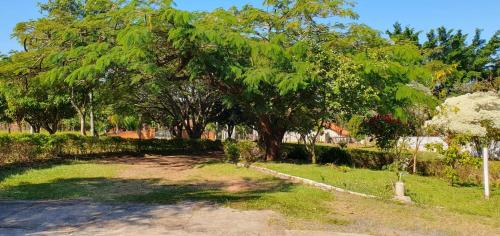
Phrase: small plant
(454, 157)
(344, 169)
(231, 151)
(249, 151)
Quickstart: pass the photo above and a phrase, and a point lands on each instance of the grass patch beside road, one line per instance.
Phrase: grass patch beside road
(425, 190)
(72, 180)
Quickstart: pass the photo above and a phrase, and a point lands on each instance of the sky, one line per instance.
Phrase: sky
(422, 15)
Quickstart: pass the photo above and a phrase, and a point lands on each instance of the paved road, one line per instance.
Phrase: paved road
(90, 218)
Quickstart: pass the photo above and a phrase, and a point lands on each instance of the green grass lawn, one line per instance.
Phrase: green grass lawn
(424, 190)
(66, 181)
(101, 182)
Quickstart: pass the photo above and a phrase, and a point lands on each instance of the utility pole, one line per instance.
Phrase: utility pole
(486, 179)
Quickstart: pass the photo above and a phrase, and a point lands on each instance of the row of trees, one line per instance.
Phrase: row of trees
(276, 69)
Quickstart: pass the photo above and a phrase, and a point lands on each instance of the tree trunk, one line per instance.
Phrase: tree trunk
(311, 146)
(82, 123)
(51, 130)
(230, 129)
(139, 127)
(91, 114)
(19, 126)
(314, 158)
(35, 129)
(273, 147)
(272, 136)
(176, 131)
(194, 128)
(196, 131)
(80, 110)
(415, 152)
(179, 128)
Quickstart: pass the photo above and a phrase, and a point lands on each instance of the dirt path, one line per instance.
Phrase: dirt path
(90, 218)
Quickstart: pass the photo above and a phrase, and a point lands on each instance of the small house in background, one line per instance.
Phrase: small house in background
(209, 135)
(146, 133)
(332, 133)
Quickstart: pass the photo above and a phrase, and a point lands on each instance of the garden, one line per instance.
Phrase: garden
(273, 112)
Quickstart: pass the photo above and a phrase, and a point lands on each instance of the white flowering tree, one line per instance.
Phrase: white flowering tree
(467, 114)
(476, 115)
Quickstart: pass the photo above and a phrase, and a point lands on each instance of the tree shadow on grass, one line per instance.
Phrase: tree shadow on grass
(169, 161)
(142, 190)
(138, 198)
(11, 169)
(70, 210)
(212, 191)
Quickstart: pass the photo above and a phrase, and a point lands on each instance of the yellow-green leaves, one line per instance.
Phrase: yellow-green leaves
(134, 37)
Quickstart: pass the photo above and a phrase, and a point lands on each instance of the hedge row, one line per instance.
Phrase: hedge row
(472, 175)
(29, 147)
(378, 160)
(351, 157)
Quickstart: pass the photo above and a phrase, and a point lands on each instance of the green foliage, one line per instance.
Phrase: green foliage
(271, 62)
(355, 126)
(245, 151)
(249, 151)
(475, 63)
(130, 122)
(26, 148)
(342, 144)
(339, 156)
(231, 151)
(4, 116)
(277, 70)
(454, 156)
(344, 169)
(406, 35)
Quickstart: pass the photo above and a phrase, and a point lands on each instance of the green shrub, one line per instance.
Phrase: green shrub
(344, 169)
(23, 148)
(245, 151)
(249, 151)
(339, 156)
(295, 153)
(231, 151)
(454, 158)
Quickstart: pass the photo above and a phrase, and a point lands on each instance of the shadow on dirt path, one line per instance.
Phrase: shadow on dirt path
(90, 218)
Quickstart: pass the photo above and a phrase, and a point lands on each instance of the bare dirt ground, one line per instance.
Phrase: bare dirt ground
(90, 218)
